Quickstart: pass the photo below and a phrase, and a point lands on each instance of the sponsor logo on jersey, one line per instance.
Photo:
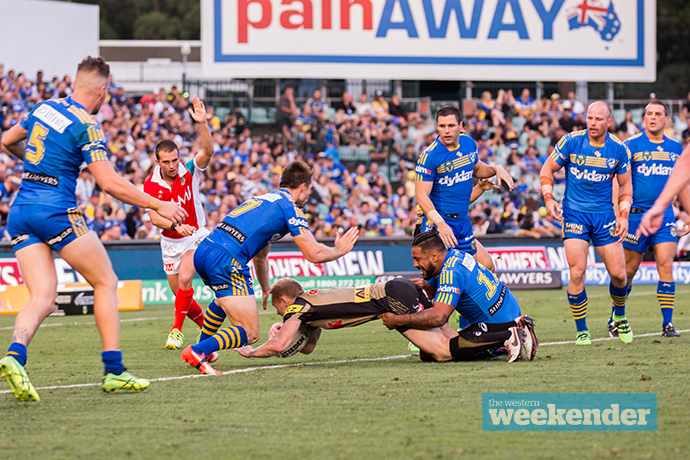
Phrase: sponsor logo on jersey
(576, 229)
(337, 325)
(422, 170)
(272, 197)
(597, 154)
(233, 232)
(654, 170)
(499, 302)
(313, 292)
(298, 222)
(60, 237)
(19, 239)
(631, 238)
(52, 118)
(580, 159)
(219, 287)
(362, 294)
(187, 195)
(591, 176)
(292, 309)
(468, 262)
(42, 178)
(169, 267)
(450, 289)
(459, 177)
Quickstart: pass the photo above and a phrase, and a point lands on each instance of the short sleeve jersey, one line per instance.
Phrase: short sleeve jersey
(184, 191)
(473, 290)
(451, 172)
(652, 164)
(61, 137)
(590, 170)
(258, 222)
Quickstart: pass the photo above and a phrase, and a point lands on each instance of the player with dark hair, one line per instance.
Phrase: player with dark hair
(45, 218)
(592, 158)
(457, 282)
(245, 234)
(175, 181)
(653, 158)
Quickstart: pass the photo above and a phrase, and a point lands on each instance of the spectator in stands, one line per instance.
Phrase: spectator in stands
(576, 107)
(346, 106)
(525, 103)
(318, 106)
(364, 107)
(627, 127)
(286, 112)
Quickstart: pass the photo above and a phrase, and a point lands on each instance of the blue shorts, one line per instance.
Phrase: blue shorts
(666, 234)
(56, 227)
(600, 228)
(221, 272)
(462, 229)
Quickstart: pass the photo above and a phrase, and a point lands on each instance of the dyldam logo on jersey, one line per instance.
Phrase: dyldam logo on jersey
(298, 222)
(591, 176)
(654, 170)
(459, 177)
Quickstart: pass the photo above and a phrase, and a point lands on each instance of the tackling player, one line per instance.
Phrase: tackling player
(653, 158)
(45, 218)
(592, 158)
(179, 182)
(247, 233)
(457, 282)
(443, 184)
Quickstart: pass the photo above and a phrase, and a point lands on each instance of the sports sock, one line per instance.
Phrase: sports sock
(578, 306)
(619, 297)
(666, 295)
(113, 362)
(183, 300)
(473, 342)
(195, 313)
(18, 352)
(228, 337)
(213, 320)
(613, 307)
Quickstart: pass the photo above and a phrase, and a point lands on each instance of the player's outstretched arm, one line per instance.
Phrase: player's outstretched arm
(484, 171)
(123, 190)
(261, 267)
(546, 179)
(314, 336)
(13, 141)
(275, 345)
(422, 190)
(198, 113)
(317, 253)
(425, 319)
(481, 187)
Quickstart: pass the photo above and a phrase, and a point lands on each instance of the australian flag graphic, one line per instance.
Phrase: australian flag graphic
(592, 13)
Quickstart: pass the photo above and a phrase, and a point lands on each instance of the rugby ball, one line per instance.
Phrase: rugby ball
(298, 342)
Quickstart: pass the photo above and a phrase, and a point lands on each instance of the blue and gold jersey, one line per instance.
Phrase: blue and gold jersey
(590, 169)
(451, 172)
(474, 291)
(61, 136)
(258, 222)
(652, 163)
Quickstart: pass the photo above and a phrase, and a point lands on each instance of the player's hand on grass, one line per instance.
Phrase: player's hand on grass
(245, 351)
(651, 222)
(198, 110)
(264, 297)
(390, 320)
(172, 211)
(446, 234)
(503, 175)
(554, 209)
(344, 243)
(274, 330)
(621, 229)
(184, 229)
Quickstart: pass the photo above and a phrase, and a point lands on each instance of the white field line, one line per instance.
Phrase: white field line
(597, 296)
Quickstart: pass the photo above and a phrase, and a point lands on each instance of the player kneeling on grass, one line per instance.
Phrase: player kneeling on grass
(458, 282)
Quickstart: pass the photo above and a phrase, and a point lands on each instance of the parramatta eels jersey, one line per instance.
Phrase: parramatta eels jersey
(652, 163)
(474, 291)
(590, 170)
(347, 307)
(258, 222)
(61, 136)
(451, 172)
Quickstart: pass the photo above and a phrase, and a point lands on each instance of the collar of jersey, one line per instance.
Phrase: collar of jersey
(438, 142)
(287, 193)
(157, 178)
(73, 102)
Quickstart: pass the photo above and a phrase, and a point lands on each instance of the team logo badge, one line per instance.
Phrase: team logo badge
(611, 162)
(182, 180)
(449, 165)
(660, 148)
(473, 157)
(597, 154)
(647, 155)
(612, 230)
(474, 245)
(673, 231)
(580, 159)
(674, 157)
(595, 14)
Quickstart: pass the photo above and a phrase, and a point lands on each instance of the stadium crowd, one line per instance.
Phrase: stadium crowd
(375, 193)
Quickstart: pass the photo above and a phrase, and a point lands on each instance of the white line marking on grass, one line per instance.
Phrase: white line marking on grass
(235, 371)
(652, 334)
(130, 320)
(600, 296)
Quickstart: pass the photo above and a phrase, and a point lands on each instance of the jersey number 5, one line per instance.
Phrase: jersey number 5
(36, 149)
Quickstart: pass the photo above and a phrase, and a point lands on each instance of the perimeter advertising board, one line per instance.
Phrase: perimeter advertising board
(542, 40)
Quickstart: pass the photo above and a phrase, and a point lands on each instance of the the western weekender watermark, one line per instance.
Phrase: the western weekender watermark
(569, 412)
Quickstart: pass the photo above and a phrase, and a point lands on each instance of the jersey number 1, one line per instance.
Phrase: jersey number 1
(489, 281)
(36, 149)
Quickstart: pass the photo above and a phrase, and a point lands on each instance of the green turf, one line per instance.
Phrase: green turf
(398, 408)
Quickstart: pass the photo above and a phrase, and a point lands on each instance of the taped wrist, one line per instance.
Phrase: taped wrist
(546, 188)
(624, 202)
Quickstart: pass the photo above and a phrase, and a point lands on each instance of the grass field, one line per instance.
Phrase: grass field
(358, 396)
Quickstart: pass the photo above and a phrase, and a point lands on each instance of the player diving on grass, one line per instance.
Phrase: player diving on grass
(175, 181)
(44, 218)
(458, 283)
(653, 158)
(245, 234)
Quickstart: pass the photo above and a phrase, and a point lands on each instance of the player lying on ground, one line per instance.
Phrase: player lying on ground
(457, 282)
(306, 314)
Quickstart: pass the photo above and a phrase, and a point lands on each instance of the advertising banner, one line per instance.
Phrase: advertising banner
(536, 40)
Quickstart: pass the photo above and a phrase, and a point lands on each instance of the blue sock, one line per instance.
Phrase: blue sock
(619, 297)
(113, 362)
(666, 295)
(613, 307)
(213, 320)
(18, 352)
(228, 337)
(578, 306)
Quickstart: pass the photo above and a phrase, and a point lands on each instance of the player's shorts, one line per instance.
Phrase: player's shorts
(56, 227)
(665, 234)
(221, 271)
(600, 228)
(173, 249)
(462, 229)
(403, 298)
